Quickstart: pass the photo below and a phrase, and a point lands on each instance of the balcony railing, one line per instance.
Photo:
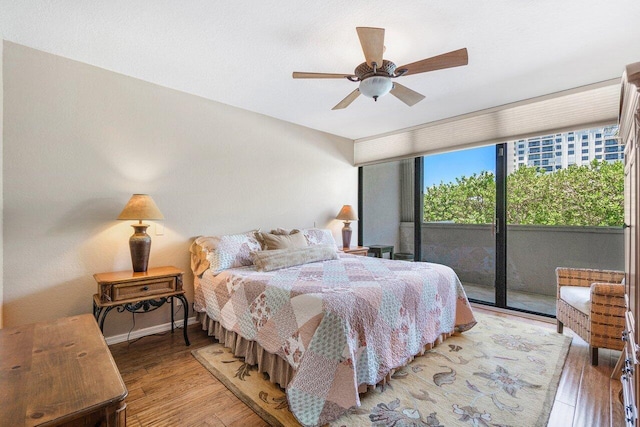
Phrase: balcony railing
(533, 254)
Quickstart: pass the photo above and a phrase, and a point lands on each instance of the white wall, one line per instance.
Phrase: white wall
(381, 204)
(79, 140)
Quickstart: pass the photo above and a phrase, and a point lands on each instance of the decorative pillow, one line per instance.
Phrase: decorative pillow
(281, 231)
(199, 249)
(228, 251)
(281, 241)
(283, 258)
(319, 236)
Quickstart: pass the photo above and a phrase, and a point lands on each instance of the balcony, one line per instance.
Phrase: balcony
(533, 254)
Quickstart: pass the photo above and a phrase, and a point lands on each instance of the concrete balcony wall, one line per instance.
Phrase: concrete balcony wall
(533, 252)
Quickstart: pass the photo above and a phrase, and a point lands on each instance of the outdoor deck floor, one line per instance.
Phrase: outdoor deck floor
(545, 304)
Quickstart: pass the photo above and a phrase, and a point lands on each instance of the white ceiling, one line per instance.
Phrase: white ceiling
(242, 53)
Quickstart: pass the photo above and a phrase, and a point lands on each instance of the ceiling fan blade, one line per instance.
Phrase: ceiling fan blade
(455, 58)
(302, 75)
(406, 95)
(348, 100)
(372, 42)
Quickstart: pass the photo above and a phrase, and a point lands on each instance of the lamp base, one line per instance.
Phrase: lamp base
(346, 235)
(140, 246)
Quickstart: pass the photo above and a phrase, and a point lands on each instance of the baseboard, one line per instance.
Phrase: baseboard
(157, 329)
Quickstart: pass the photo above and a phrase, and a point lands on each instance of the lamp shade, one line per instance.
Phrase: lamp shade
(141, 206)
(347, 214)
(375, 86)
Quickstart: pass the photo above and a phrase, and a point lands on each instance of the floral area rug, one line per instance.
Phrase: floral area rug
(502, 372)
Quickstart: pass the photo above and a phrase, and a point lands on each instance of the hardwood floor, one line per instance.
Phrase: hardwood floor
(168, 387)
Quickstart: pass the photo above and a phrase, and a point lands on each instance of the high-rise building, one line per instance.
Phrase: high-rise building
(559, 151)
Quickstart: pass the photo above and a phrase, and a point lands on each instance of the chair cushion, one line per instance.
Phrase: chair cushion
(578, 297)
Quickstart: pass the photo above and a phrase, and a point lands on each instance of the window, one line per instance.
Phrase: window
(611, 142)
(585, 144)
(599, 156)
(598, 142)
(598, 135)
(534, 157)
(547, 155)
(558, 139)
(559, 153)
(558, 147)
(547, 142)
(585, 137)
(570, 146)
(585, 151)
(598, 149)
(521, 152)
(534, 150)
(570, 153)
(547, 148)
(611, 156)
(611, 149)
(521, 158)
(570, 138)
(585, 157)
(534, 144)
(536, 163)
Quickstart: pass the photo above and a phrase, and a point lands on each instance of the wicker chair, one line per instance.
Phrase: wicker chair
(591, 303)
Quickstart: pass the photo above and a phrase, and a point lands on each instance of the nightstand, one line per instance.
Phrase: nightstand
(355, 250)
(140, 292)
(378, 250)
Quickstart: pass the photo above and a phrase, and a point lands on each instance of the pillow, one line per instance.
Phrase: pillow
(199, 250)
(281, 241)
(281, 231)
(228, 251)
(319, 236)
(282, 258)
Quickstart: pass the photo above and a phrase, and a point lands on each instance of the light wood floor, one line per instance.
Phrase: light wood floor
(168, 387)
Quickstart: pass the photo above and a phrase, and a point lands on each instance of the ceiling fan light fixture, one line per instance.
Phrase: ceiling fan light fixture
(376, 86)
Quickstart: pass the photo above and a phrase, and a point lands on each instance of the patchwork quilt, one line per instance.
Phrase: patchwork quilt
(338, 323)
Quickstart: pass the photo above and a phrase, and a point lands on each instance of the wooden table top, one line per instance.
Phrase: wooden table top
(52, 372)
(130, 276)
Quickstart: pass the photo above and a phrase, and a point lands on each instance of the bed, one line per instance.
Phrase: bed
(324, 325)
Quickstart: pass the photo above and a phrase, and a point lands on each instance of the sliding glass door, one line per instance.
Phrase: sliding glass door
(505, 224)
(505, 216)
(459, 226)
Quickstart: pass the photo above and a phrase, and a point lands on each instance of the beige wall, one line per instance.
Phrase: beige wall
(79, 140)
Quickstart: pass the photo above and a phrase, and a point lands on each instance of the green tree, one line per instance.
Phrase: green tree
(589, 195)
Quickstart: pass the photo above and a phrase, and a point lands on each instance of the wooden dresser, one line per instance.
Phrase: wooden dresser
(59, 373)
(629, 120)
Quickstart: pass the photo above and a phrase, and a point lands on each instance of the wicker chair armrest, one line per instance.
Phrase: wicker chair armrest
(608, 295)
(607, 289)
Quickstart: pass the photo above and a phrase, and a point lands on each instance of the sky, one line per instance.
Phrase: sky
(448, 166)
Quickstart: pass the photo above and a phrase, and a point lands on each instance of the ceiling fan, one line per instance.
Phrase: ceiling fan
(375, 73)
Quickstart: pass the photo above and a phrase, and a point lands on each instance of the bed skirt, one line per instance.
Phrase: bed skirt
(278, 369)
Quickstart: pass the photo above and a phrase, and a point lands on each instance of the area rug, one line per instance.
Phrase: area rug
(502, 372)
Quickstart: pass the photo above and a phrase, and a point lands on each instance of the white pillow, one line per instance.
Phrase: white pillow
(319, 236)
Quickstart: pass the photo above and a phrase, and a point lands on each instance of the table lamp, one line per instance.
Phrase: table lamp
(139, 207)
(346, 214)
